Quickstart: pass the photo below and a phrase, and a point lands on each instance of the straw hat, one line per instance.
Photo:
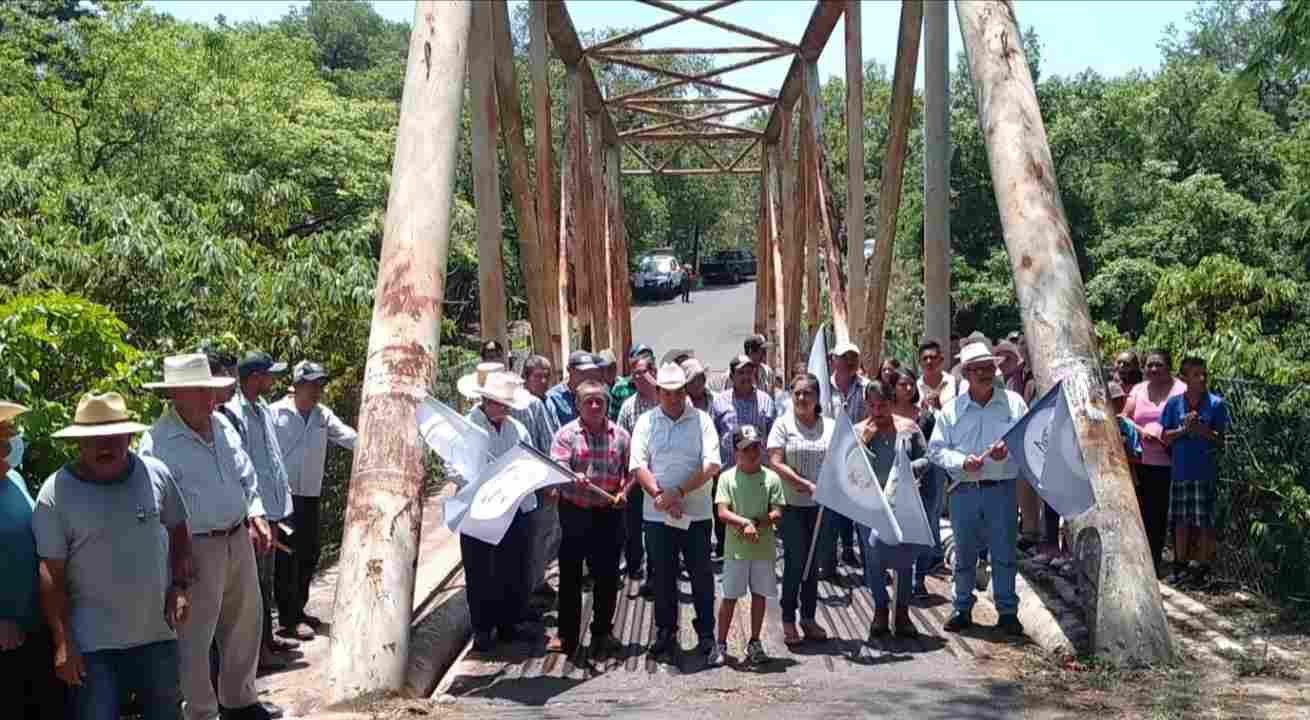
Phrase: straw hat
(671, 377)
(9, 411)
(188, 371)
(99, 415)
(975, 353)
(506, 389)
(469, 384)
(692, 368)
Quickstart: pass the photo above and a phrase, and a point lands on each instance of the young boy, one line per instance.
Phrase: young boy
(749, 503)
(1194, 425)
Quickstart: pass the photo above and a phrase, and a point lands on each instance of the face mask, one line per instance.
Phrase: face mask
(16, 448)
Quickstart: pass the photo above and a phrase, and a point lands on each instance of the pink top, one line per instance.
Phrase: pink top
(1147, 416)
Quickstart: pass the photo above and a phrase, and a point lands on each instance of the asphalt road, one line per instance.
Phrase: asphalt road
(714, 324)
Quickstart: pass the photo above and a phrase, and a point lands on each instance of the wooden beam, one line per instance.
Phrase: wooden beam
(484, 123)
(685, 120)
(808, 154)
(722, 24)
(936, 173)
(824, 233)
(855, 162)
(689, 79)
(564, 36)
(641, 32)
(742, 155)
(713, 158)
(573, 208)
(1128, 624)
(793, 252)
(889, 195)
(554, 284)
(771, 169)
(598, 260)
(633, 149)
(621, 323)
(733, 50)
(822, 21)
(694, 171)
(384, 505)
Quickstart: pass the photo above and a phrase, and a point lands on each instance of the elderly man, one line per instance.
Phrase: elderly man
(204, 453)
(27, 679)
(968, 443)
(536, 375)
(645, 400)
(596, 450)
(848, 388)
(116, 569)
(675, 453)
(738, 406)
(304, 427)
(561, 400)
(696, 381)
(755, 348)
(625, 387)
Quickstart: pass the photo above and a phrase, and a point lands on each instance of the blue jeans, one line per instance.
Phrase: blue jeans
(664, 545)
(797, 530)
(932, 490)
(985, 517)
(147, 671)
(875, 563)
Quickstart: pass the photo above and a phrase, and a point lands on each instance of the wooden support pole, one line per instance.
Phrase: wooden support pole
(889, 196)
(1126, 617)
(936, 174)
(384, 509)
(855, 161)
(793, 242)
(821, 221)
(761, 324)
(771, 169)
(597, 260)
(557, 309)
(572, 213)
(486, 175)
(522, 197)
(621, 324)
(809, 152)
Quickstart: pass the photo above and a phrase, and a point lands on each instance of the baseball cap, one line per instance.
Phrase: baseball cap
(756, 342)
(605, 358)
(738, 361)
(640, 349)
(842, 348)
(306, 371)
(259, 362)
(582, 360)
(745, 436)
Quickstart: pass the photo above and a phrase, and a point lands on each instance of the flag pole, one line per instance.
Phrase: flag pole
(814, 543)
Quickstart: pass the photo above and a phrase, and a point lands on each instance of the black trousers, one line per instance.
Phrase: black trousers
(596, 536)
(667, 545)
(293, 573)
(634, 546)
(720, 530)
(28, 686)
(496, 576)
(1153, 500)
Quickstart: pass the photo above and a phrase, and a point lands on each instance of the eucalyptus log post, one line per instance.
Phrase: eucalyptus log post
(557, 314)
(1126, 618)
(807, 153)
(893, 174)
(598, 258)
(621, 322)
(792, 242)
(855, 162)
(821, 221)
(936, 174)
(575, 220)
(486, 175)
(761, 324)
(375, 584)
(521, 193)
(770, 169)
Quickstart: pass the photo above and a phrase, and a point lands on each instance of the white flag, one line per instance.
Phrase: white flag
(907, 507)
(510, 479)
(462, 445)
(818, 366)
(848, 485)
(1045, 446)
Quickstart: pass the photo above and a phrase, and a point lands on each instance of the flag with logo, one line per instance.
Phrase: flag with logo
(496, 497)
(907, 508)
(462, 445)
(1045, 446)
(818, 366)
(848, 485)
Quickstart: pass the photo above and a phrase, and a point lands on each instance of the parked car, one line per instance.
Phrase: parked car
(728, 266)
(659, 276)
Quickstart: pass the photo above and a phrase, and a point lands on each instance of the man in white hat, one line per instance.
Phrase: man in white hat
(27, 680)
(204, 452)
(967, 442)
(496, 576)
(116, 567)
(674, 454)
(848, 388)
(304, 427)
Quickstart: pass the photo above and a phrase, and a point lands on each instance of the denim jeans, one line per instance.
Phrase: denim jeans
(984, 517)
(875, 562)
(797, 530)
(664, 545)
(634, 550)
(932, 490)
(148, 671)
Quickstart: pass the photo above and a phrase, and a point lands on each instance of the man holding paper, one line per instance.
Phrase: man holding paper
(968, 444)
(675, 453)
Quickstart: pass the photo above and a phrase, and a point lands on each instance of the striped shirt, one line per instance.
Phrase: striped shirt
(803, 451)
(539, 422)
(602, 457)
(730, 412)
(633, 408)
(853, 398)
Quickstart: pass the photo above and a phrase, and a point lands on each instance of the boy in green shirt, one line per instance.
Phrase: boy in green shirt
(749, 502)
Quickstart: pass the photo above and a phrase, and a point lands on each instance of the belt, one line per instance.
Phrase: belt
(977, 483)
(221, 533)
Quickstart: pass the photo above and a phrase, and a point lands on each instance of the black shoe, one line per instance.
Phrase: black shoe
(483, 641)
(637, 574)
(510, 634)
(710, 650)
(848, 556)
(959, 621)
(1010, 625)
(665, 641)
(646, 591)
(311, 621)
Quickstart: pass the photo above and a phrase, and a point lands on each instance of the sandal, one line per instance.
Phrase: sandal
(813, 631)
(790, 635)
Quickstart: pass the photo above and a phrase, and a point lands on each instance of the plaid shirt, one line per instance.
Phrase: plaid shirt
(602, 457)
(730, 412)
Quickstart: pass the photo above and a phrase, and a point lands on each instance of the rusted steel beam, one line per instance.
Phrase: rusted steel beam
(687, 120)
(695, 171)
(633, 149)
(680, 136)
(713, 158)
(722, 24)
(641, 32)
(688, 79)
(742, 155)
(822, 225)
(736, 50)
(693, 101)
(547, 191)
(564, 37)
(822, 21)
(673, 154)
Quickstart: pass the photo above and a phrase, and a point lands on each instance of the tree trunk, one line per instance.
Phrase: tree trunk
(375, 585)
(821, 220)
(486, 175)
(854, 163)
(553, 278)
(936, 176)
(1126, 618)
(599, 254)
(620, 286)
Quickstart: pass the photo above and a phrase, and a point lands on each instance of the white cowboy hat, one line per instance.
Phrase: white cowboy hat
(506, 389)
(9, 411)
(469, 384)
(671, 377)
(975, 353)
(692, 367)
(188, 371)
(99, 415)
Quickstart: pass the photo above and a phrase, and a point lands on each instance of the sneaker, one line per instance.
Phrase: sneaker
(959, 621)
(1010, 625)
(983, 577)
(755, 654)
(713, 652)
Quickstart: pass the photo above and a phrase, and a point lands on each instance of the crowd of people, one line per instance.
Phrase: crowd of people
(147, 578)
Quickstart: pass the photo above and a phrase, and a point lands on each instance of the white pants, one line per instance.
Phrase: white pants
(225, 609)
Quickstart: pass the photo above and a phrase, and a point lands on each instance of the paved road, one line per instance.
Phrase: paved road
(714, 324)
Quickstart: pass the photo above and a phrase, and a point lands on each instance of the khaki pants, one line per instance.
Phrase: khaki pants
(225, 610)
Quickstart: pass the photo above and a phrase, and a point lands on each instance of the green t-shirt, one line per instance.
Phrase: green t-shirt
(750, 496)
(623, 389)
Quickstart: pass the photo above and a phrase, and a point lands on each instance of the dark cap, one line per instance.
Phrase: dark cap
(491, 350)
(260, 362)
(745, 436)
(738, 361)
(582, 360)
(640, 349)
(756, 342)
(306, 371)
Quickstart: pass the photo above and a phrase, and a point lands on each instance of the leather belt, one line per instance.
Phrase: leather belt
(974, 483)
(221, 533)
